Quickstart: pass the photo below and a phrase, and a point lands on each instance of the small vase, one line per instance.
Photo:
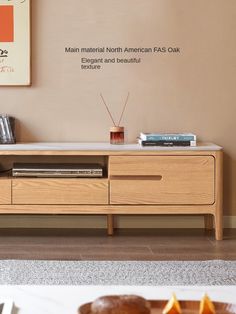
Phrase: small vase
(117, 135)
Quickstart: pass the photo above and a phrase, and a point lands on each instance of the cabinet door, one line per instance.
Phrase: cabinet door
(60, 191)
(183, 180)
(5, 191)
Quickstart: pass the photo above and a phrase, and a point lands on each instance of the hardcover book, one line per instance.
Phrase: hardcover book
(168, 136)
(6, 130)
(167, 143)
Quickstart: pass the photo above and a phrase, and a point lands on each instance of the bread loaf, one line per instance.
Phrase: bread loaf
(124, 304)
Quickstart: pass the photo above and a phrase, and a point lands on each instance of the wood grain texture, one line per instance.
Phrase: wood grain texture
(161, 166)
(208, 221)
(176, 180)
(219, 196)
(59, 191)
(187, 307)
(5, 191)
(127, 244)
(105, 153)
(110, 224)
(108, 209)
(140, 181)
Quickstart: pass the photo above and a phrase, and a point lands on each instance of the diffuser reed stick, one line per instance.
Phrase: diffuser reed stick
(108, 109)
(122, 113)
(116, 132)
(126, 102)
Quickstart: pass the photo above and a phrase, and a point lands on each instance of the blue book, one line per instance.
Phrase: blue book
(168, 136)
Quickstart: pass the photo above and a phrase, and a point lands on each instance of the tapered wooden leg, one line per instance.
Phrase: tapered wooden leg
(208, 220)
(219, 227)
(110, 225)
(219, 196)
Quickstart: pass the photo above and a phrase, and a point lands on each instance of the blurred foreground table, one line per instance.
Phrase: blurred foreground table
(67, 299)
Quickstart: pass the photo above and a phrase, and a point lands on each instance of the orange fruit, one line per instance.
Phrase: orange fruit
(206, 306)
(173, 306)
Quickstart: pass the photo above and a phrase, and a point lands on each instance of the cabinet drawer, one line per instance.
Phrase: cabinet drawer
(60, 191)
(5, 191)
(183, 180)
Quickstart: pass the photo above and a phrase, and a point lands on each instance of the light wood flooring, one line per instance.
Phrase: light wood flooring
(132, 244)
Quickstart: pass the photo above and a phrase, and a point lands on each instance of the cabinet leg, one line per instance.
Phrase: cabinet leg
(218, 226)
(110, 224)
(219, 196)
(208, 220)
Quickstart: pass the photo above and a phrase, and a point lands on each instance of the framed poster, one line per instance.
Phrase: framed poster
(15, 65)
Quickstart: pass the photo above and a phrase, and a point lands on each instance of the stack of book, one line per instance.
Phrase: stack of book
(6, 130)
(167, 139)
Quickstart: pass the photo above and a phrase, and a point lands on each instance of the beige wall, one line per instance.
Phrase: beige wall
(194, 91)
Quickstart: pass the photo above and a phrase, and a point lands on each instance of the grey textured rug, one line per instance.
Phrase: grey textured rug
(19, 272)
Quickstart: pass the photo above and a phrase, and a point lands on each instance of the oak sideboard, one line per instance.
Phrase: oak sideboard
(137, 180)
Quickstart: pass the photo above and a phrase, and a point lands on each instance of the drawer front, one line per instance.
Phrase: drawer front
(5, 191)
(60, 191)
(183, 180)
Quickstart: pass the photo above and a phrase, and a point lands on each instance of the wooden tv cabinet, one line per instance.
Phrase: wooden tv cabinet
(150, 180)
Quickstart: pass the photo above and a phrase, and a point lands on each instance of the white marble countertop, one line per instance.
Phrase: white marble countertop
(101, 147)
(67, 299)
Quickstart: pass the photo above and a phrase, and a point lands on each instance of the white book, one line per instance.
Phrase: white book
(6, 306)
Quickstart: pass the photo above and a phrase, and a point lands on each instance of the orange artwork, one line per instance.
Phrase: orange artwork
(15, 54)
(6, 23)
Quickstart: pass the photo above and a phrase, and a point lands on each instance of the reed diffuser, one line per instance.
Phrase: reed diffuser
(116, 131)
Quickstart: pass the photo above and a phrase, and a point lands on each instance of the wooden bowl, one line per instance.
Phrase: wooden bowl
(188, 307)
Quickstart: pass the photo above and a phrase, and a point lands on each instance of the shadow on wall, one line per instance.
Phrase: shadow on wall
(22, 131)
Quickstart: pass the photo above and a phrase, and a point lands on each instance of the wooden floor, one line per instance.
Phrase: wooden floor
(132, 244)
